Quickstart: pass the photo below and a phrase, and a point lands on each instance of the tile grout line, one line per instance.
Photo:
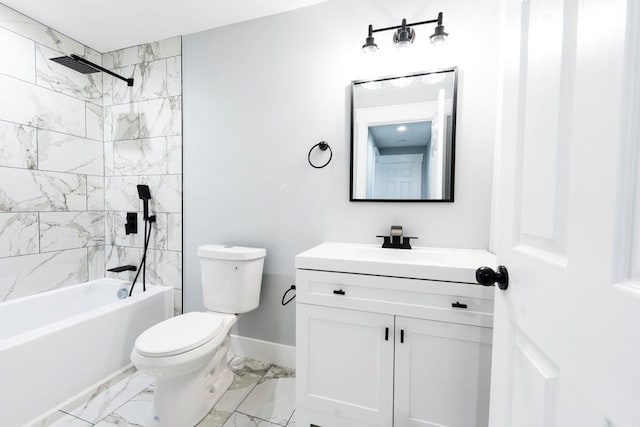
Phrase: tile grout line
(262, 419)
(73, 416)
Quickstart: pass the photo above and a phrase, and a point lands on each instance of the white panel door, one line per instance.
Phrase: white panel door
(566, 216)
(399, 176)
(442, 374)
(347, 356)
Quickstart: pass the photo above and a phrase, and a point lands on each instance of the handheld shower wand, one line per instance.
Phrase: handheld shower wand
(145, 196)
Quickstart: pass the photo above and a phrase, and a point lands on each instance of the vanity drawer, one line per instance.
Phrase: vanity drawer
(445, 301)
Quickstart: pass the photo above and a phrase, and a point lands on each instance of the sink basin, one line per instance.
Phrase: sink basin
(456, 265)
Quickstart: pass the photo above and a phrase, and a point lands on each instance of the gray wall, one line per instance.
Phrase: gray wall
(258, 95)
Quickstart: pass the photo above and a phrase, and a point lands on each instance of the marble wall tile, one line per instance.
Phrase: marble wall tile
(31, 274)
(18, 146)
(63, 79)
(121, 194)
(107, 124)
(166, 192)
(60, 152)
(140, 157)
(174, 232)
(116, 256)
(18, 234)
(92, 55)
(174, 76)
(94, 121)
(68, 230)
(40, 107)
(108, 159)
(160, 49)
(120, 58)
(159, 234)
(161, 117)
(164, 268)
(107, 90)
(17, 59)
(124, 122)
(154, 79)
(27, 27)
(120, 93)
(26, 190)
(95, 193)
(174, 155)
(96, 262)
(116, 235)
(150, 82)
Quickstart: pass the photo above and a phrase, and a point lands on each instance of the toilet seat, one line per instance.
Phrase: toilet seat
(179, 334)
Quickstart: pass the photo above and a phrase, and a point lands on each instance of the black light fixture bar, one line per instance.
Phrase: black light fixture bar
(397, 27)
(405, 33)
(99, 68)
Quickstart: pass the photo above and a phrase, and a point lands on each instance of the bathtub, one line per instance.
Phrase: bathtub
(55, 345)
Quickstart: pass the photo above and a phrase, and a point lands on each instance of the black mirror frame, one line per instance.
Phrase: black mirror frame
(453, 136)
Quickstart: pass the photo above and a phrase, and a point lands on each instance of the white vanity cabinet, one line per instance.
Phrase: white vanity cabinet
(376, 350)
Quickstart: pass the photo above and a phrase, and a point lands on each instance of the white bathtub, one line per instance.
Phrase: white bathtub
(56, 344)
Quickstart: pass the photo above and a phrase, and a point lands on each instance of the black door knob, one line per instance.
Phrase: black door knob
(487, 277)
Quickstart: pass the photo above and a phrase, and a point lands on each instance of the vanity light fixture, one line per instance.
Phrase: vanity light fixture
(405, 34)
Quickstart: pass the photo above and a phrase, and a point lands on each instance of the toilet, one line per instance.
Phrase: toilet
(188, 353)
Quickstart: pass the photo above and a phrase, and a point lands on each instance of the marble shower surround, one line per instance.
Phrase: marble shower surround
(143, 145)
(72, 149)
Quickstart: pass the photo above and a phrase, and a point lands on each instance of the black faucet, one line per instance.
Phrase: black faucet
(395, 239)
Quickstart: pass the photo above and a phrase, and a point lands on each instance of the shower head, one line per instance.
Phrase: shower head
(143, 192)
(74, 64)
(145, 196)
(81, 65)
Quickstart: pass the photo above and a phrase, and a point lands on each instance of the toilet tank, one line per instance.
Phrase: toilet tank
(231, 277)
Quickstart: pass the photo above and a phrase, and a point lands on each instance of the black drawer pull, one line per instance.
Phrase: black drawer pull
(339, 292)
(386, 334)
(458, 305)
(401, 336)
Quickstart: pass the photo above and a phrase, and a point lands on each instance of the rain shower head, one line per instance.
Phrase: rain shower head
(74, 64)
(81, 65)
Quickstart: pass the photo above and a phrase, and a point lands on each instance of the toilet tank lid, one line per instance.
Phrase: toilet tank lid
(228, 252)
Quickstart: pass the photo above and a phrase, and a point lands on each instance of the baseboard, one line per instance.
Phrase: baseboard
(278, 354)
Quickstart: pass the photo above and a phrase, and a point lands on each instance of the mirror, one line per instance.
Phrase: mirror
(403, 137)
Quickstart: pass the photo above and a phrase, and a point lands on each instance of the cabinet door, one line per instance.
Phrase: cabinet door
(442, 374)
(345, 365)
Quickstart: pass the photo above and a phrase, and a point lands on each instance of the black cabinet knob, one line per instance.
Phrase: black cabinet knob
(487, 277)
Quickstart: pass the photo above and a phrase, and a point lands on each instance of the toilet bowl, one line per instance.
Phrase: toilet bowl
(188, 353)
(188, 356)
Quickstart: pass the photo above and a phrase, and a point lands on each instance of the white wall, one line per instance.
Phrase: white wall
(258, 95)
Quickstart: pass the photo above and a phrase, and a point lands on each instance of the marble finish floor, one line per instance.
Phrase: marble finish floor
(262, 395)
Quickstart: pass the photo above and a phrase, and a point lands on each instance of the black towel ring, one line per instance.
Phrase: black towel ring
(322, 145)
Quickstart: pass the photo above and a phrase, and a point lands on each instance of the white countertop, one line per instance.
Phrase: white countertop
(444, 264)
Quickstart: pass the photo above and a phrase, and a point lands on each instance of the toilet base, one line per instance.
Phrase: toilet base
(185, 400)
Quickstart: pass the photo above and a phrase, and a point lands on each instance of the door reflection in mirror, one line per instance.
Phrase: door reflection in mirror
(403, 137)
